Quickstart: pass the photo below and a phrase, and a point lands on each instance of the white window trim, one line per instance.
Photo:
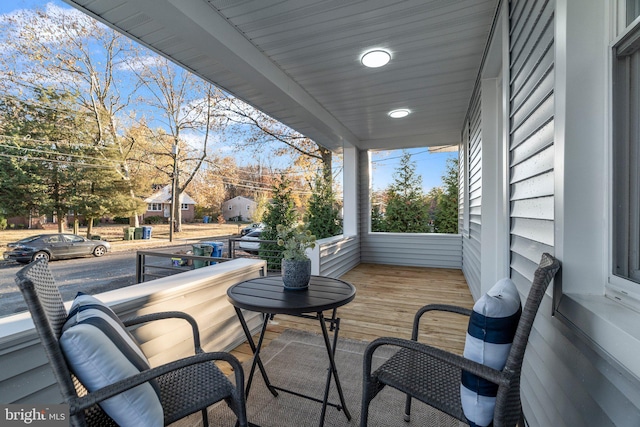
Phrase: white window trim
(583, 231)
(151, 206)
(619, 289)
(184, 206)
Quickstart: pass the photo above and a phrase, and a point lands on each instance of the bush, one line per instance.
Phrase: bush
(121, 220)
(3, 223)
(154, 219)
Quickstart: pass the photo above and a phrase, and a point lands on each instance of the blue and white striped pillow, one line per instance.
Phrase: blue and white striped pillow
(492, 327)
(100, 351)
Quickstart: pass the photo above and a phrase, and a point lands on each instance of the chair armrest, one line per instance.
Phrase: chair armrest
(483, 371)
(78, 404)
(169, 315)
(436, 307)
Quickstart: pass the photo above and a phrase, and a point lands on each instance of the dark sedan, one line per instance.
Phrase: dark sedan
(54, 246)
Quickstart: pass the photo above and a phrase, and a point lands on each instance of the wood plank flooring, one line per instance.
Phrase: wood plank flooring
(387, 298)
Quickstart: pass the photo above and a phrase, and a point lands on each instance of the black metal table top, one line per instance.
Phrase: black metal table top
(268, 295)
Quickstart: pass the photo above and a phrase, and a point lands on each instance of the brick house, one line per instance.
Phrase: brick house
(159, 204)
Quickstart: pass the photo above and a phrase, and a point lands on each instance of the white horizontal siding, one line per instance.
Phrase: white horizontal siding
(419, 250)
(472, 252)
(339, 255)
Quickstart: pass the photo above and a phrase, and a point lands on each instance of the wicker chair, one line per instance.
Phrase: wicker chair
(432, 375)
(186, 386)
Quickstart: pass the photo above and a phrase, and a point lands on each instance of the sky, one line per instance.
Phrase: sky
(430, 166)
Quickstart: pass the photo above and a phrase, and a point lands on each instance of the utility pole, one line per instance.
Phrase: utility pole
(174, 188)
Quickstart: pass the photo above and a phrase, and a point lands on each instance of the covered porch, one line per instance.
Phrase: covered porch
(522, 87)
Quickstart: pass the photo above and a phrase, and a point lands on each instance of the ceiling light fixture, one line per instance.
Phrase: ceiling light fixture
(375, 58)
(400, 113)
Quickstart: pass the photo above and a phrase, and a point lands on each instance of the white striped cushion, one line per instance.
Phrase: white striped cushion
(490, 333)
(100, 351)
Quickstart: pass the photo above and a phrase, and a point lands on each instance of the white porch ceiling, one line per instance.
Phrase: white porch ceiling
(299, 60)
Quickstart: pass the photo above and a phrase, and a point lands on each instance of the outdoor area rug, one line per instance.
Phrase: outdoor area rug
(298, 361)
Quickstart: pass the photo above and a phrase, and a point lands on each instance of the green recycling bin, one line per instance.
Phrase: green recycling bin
(137, 234)
(129, 233)
(201, 250)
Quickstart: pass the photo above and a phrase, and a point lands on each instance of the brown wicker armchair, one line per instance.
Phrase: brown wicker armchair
(186, 386)
(433, 376)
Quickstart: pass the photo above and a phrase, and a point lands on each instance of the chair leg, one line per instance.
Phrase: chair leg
(407, 409)
(205, 418)
(366, 400)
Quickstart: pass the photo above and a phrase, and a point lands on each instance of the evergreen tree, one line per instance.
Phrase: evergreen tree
(406, 210)
(39, 162)
(377, 219)
(323, 216)
(446, 217)
(281, 211)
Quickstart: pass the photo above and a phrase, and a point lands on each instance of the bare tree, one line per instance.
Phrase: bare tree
(187, 111)
(262, 128)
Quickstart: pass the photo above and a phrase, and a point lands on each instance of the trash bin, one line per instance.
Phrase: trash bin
(216, 249)
(201, 250)
(137, 233)
(146, 232)
(205, 219)
(129, 233)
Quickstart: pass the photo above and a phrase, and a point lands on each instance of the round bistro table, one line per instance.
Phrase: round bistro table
(268, 295)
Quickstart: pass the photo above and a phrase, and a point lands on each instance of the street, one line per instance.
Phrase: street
(90, 274)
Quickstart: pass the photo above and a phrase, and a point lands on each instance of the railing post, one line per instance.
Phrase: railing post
(139, 266)
(314, 256)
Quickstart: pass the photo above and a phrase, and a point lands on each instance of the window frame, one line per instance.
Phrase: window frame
(151, 206)
(624, 287)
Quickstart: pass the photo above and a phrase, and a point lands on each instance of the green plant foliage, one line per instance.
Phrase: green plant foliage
(406, 210)
(323, 215)
(446, 215)
(281, 211)
(295, 241)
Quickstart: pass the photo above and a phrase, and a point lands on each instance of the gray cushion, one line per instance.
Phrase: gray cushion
(100, 351)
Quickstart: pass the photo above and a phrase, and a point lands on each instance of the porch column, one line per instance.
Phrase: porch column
(350, 191)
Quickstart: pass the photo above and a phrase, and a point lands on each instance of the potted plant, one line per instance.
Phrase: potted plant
(296, 266)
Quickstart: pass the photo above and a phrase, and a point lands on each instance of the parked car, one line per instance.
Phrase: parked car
(250, 243)
(54, 246)
(252, 227)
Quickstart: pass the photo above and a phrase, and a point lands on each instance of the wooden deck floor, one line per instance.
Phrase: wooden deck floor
(387, 298)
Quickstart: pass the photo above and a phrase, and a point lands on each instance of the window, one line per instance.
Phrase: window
(154, 207)
(230, 207)
(248, 207)
(626, 158)
(184, 206)
(633, 10)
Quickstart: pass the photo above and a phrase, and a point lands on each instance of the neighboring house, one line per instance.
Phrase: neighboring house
(239, 206)
(159, 204)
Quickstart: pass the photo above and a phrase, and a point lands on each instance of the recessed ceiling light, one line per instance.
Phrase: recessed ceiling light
(375, 58)
(400, 113)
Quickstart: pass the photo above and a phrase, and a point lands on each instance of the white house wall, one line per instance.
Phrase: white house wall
(472, 243)
(567, 380)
